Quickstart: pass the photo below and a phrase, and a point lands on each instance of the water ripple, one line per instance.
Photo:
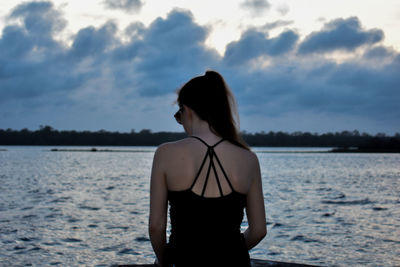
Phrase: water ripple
(142, 239)
(128, 251)
(349, 202)
(71, 240)
(304, 239)
(84, 207)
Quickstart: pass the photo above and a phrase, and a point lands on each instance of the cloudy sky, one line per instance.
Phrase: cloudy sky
(293, 65)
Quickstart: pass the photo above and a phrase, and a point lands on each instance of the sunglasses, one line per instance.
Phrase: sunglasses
(178, 115)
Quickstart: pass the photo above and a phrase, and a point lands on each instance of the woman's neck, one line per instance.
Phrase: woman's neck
(203, 130)
(195, 126)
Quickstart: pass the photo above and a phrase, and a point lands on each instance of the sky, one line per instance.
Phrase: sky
(293, 65)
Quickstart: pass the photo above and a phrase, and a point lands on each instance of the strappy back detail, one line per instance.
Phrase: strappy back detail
(212, 155)
(205, 230)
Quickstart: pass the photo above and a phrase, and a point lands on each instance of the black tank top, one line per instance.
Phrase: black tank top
(205, 231)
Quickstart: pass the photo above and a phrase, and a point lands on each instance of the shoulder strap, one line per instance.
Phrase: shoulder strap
(211, 153)
(204, 142)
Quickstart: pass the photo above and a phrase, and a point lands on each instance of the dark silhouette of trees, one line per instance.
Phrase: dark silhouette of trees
(46, 135)
(306, 139)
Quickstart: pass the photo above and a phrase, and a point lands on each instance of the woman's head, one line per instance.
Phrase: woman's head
(210, 98)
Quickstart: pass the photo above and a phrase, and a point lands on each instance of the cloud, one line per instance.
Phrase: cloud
(283, 9)
(129, 6)
(135, 29)
(359, 88)
(276, 24)
(169, 50)
(326, 89)
(254, 43)
(380, 52)
(340, 34)
(103, 82)
(40, 20)
(15, 42)
(29, 54)
(90, 41)
(256, 7)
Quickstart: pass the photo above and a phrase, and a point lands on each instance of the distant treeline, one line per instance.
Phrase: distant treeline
(46, 135)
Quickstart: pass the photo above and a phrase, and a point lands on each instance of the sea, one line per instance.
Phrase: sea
(85, 208)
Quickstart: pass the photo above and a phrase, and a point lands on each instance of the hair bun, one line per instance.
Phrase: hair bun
(211, 74)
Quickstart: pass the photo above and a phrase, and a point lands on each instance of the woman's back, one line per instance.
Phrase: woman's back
(185, 160)
(206, 205)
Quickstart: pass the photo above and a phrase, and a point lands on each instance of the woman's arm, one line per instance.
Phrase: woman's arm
(255, 209)
(158, 205)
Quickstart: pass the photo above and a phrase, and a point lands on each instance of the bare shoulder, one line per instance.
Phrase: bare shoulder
(242, 166)
(169, 149)
(248, 156)
(253, 158)
(171, 159)
(252, 162)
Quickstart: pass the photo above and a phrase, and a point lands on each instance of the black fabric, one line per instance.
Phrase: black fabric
(205, 231)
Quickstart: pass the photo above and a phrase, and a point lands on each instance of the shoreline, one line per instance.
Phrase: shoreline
(331, 150)
(363, 150)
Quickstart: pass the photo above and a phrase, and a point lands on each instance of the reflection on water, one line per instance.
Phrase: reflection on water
(86, 208)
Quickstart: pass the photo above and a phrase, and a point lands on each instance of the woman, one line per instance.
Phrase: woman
(208, 179)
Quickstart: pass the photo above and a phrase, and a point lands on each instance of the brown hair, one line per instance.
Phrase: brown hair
(212, 100)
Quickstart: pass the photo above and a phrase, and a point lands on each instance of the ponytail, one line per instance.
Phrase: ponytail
(212, 100)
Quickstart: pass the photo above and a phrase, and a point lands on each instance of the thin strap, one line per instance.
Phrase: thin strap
(210, 152)
(223, 171)
(198, 173)
(216, 175)
(208, 172)
(204, 142)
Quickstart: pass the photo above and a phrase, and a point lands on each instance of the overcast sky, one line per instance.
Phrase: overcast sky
(293, 65)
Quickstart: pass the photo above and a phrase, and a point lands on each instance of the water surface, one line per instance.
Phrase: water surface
(91, 208)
